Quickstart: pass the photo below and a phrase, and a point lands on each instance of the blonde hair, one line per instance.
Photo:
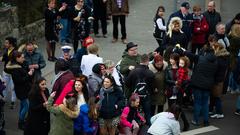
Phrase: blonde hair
(93, 49)
(186, 61)
(174, 20)
(108, 63)
(235, 30)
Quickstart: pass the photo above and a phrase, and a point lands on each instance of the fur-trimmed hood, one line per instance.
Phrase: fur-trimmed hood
(70, 113)
(171, 26)
(222, 53)
(154, 70)
(22, 48)
(11, 65)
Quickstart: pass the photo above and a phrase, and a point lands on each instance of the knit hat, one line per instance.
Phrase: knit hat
(88, 41)
(186, 5)
(158, 58)
(97, 68)
(130, 45)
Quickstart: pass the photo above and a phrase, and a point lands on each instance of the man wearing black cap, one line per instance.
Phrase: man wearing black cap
(130, 59)
(186, 18)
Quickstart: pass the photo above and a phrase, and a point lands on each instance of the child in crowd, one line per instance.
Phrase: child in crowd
(131, 119)
(62, 122)
(182, 76)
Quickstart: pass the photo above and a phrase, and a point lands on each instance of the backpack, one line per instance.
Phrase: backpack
(141, 88)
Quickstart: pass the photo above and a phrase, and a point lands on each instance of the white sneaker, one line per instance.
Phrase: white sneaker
(173, 97)
(217, 116)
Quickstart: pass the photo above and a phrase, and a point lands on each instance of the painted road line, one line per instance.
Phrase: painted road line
(200, 130)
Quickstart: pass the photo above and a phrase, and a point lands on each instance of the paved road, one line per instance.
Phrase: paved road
(139, 30)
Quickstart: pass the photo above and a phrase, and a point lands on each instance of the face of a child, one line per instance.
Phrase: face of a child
(181, 63)
(135, 103)
(172, 61)
(42, 85)
(107, 83)
(161, 12)
(78, 86)
(6, 44)
(51, 4)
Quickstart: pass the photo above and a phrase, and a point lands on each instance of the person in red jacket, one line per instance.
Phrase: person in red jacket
(200, 29)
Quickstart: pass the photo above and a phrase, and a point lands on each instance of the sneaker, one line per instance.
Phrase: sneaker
(114, 40)
(173, 97)
(194, 123)
(105, 35)
(217, 116)
(205, 123)
(237, 112)
(211, 113)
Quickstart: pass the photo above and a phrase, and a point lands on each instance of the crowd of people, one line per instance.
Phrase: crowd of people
(196, 62)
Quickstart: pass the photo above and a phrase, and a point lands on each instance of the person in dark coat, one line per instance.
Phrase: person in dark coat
(216, 93)
(38, 119)
(159, 28)
(186, 18)
(213, 17)
(235, 20)
(51, 28)
(111, 102)
(22, 84)
(234, 48)
(202, 80)
(100, 14)
(34, 60)
(81, 27)
(142, 74)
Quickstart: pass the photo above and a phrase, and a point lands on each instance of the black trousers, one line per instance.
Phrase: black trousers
(115, 19)
(103, 21)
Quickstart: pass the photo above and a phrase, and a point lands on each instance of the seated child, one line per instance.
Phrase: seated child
(131, 119)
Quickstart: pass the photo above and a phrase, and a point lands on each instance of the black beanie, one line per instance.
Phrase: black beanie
(97, 68)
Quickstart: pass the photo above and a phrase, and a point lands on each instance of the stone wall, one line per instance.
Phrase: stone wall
(9, 26)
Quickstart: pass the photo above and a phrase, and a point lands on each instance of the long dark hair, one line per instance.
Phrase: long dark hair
(110, 77)
(156, 15)
(35, 88)
(84, 88)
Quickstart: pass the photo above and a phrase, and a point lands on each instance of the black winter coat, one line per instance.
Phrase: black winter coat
(111, 98)
(139, 74)
(38, 120)
(213, 18)
(204, 73)
(21, 80)
(99, 9)
(177, 38)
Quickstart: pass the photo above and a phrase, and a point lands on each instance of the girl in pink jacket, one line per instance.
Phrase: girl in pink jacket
(131, 119)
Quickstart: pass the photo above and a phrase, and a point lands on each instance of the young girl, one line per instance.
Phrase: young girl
(62, 123)
(131, 119)
(38, 120)
(159, 28)
(182, 76)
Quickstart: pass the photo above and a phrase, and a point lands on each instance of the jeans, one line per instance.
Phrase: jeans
(201, 98)
(218, 104)
(23, 109)
(232, 83)
(9, 86)
(64, 33)
(146, 104)
(238, 103)
(115, 19)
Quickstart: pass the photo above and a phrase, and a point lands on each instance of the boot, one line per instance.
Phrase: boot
(21, 125)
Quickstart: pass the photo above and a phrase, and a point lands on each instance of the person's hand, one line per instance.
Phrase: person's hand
(135, 124)
(53, 94)
(64, 6)
(45, 104)
(77, 18)
(116, 106)
(104, 1)
(198, 28)
(31, 71)
(35, 66)
(131, 67)
(155, 90)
